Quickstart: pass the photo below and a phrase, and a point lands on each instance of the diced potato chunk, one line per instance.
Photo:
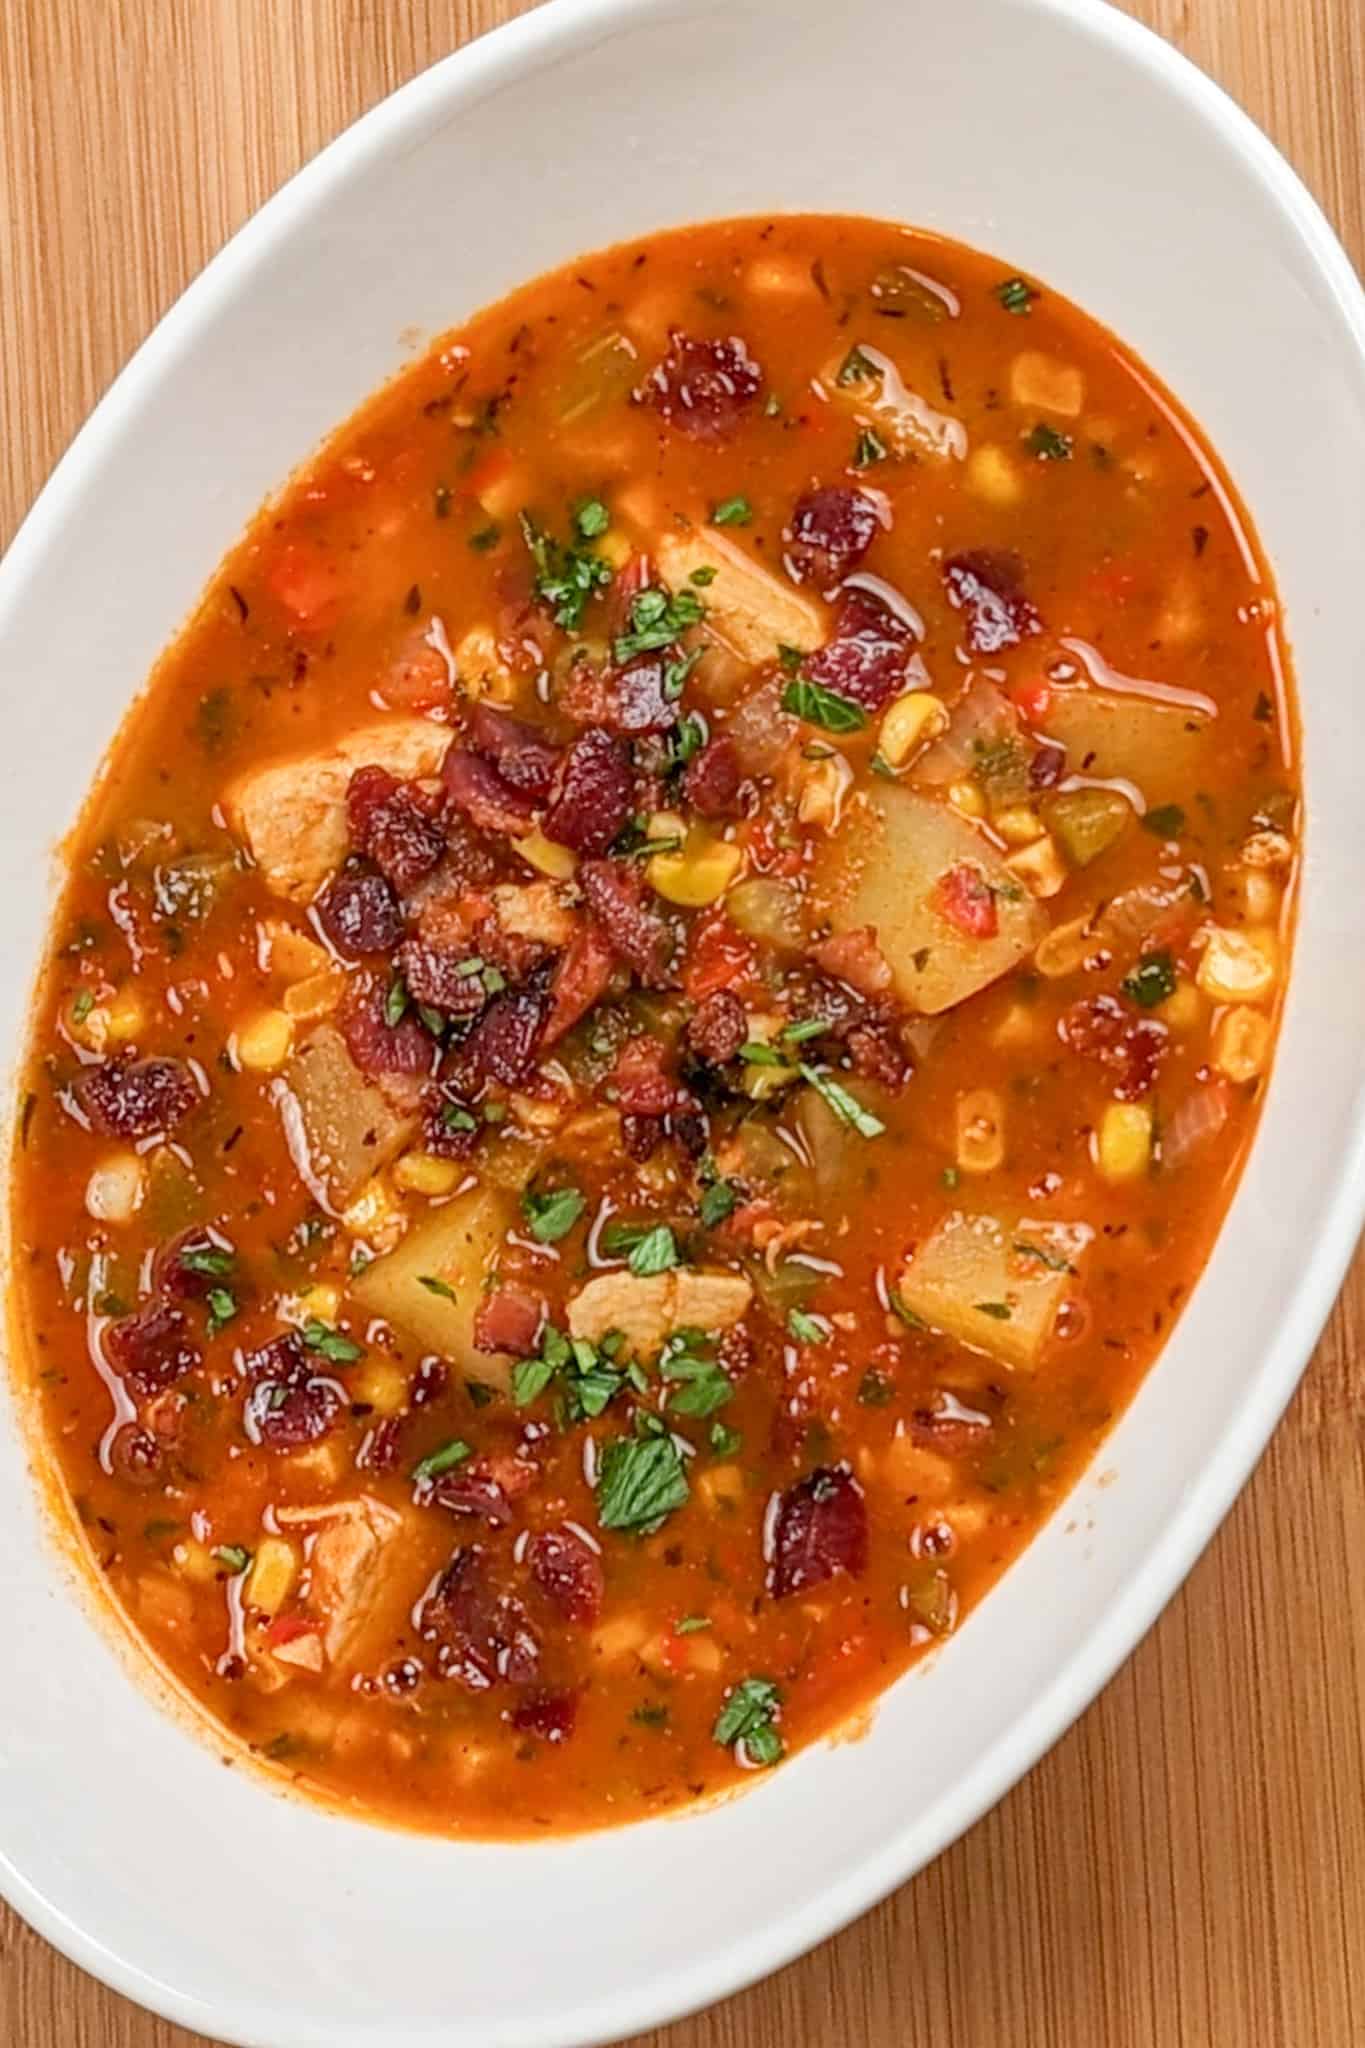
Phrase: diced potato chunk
(885, 870)
(1164, 748)
(746, 606)
(993, 1285)
(1046, 383)
(292, 813)
(454, 1247)
(340, 1127)
(646, 1308)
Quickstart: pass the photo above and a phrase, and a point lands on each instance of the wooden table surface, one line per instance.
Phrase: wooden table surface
(1187, 1868)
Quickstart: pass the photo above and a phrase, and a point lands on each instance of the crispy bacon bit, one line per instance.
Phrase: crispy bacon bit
(153, 1348)
(446, 978)
(509, 1319)
(135, 1456)
(617, 898)
(1132, 1048)
(466, 1492)
(520, 752)
(376, 1046)
(640, 699)
(504, 1043)
(830, 532)
(359, 913)
(417, 679)
(179, 1272)
(967, 901)
(820, 1530)
(568, 1572)
(1047, 767)
(397, 824)
(702, 387)
(640, 1081)
(596, 792)
(985, 586)
(476, 789)
(855, 957)
(712, 779)
(289, 1405)
(719, 1028)
(868, 654)
(134, 1098)
(479, 1635)
(582, 978)
(550, 1715)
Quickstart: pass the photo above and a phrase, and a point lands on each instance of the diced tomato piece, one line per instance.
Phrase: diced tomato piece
(717, 957)
(287, 1628)
(767, 852)
(305, 582)
(968, 902)
(490, 469)
(1032, 698)
(509, 1319)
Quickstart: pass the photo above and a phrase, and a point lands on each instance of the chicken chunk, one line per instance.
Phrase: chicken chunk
(746, 607)
(533, 911)
(647, 1309)
(344, 1562)
(292, 813)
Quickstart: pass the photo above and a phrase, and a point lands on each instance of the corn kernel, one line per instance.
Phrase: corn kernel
(1039, 867)
(195, 1562)
(1065, 948)
(780, 277)
(114, 1191)
(1041, 382)
(322, 1462)
(547, 858)
(1184, 1010)
(909, 1468)
(613, 547)
(980, 1131)
(422, 1173)
(1124, 1144)
(722, 1486)
(481, 669)
(380, 1384)
(909, 724)
(967, 798)
(992, 475)
(124, 1016)
(1019, 825)
(262, 1045)
(1256, 893)
(665, 825)
(318, 1303)
(1018, 1026)
(622, 1636)
(318, 996)
(291, 953)
(826, 784)
(1272, 850)
(271, 1576)
(1241, 1042)
(376, 1216)
(697, 875)
(1238, 967)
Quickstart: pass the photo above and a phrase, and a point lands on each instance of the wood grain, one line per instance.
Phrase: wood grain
(1187, 1868)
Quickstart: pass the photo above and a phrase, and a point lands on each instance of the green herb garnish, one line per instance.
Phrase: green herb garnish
(641, 1481)
(749, 1716)
(735, 511)
(331, 1344)
(1151, 982)
(445, 1460)
(819, 706)
(845, 1106)
(1014, 295)
(553, 1215)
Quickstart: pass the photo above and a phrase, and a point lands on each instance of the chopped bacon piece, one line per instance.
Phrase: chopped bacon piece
(289, 1405)
(967, 901)
(568, 1572)
(582, 978)
(868, 654)
(595, 796)
(550, 1715)
(135, 1456)
(985, 586)
(503, 1045)
(397, 824)
(618, 899)
(509, 1319)
(819, 1531)
(184, 1268)
(830, 532)
(640, 1080)
(718, 1028)
(712, 780)
(152, 1348)
(478, 1634)
(640, 698)
(520, 752)
(305, 581)
(445, 977)
(359, 913)
(466, 1492)
(717, 956)
(476, 789)
(134, 1098)
(376, 1046)
(1131, 1047)
(855, 957)
(418, 678)
(702, 387)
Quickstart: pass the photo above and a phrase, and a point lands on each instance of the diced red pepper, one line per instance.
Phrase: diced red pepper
(717, 957)
(306, 582)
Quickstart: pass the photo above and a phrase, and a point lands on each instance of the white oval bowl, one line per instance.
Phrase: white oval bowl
(1084, 151)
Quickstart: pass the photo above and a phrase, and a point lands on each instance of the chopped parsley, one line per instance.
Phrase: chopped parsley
(83, 1005)
(845, 1106)
(701, 1385)
(445, 1460)
(819, 706)
(704, 575)
(655, 1252)
(553, 1215)
(999, 1311)
(718, 1201)
(1048, 445)
(749, 1717)
(1164, 821)
(736, 511)
(434, 1285)
(591, 519)
(233, 1557)
(331, 1344)
(1014, 295)
(1151, 982)
(875, 1388)
(691, 1623)
(396, 1001)
(640, 1482)
(856, 368)
(222, 1303)
(566, 577)
(207, 1258)
(724, 1440)
(805, 1328)
(869, 448)
(657, 619)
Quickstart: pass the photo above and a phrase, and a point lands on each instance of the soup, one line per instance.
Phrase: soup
(651, 1021)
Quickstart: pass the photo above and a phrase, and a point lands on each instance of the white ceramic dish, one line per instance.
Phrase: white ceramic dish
(1079, 148)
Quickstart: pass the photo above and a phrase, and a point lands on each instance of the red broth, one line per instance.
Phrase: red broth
(652, 1020)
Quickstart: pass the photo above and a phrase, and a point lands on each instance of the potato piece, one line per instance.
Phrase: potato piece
(647, 1308)
(1164, 748)
(746, 606)
(292, 813)
(455, 1246)
(340, 1128)
(992, 1284)
(533, 910)
(885, 869)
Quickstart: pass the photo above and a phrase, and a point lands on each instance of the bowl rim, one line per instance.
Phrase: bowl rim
(500, 55)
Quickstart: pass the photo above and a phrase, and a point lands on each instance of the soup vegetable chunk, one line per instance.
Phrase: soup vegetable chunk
(652, 1021)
